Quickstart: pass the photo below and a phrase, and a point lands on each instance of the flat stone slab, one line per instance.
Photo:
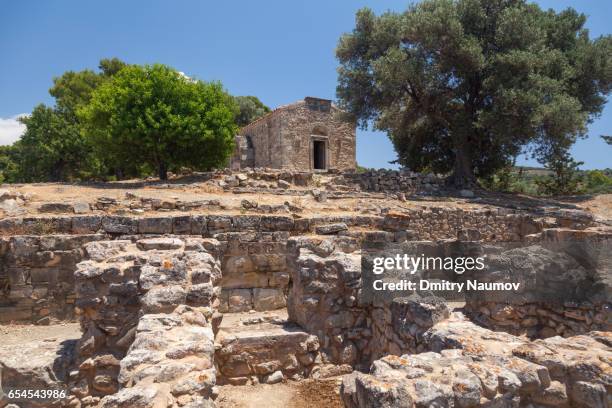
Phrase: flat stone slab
(262, 334)
(264, 346)
(159, 243)
(38, 364)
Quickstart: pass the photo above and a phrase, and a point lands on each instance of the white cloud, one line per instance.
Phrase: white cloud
(11, 129)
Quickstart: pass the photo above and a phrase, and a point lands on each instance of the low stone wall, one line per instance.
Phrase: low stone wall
(566, 287)
(405, 181)
(266, 352)
(374, 180)
(146, 312)
(432, 223)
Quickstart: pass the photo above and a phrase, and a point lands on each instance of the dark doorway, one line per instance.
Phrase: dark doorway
(318, 151)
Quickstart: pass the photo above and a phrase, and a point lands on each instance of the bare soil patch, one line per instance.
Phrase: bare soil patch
(13, 334)
(302, 394)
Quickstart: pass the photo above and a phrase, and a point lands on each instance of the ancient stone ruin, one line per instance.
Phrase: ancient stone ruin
(183, 297)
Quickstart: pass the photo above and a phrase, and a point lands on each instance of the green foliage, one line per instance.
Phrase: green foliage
(597, 182)
(535, 181)
(360, 169)
(53, 147)
(7, 165)
(465, 85)
(565, 177)
(151, 117)
(504, 179)
(607, 139)
(249, 109)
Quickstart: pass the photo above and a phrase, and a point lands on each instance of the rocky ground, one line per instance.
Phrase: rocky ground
(259, 193)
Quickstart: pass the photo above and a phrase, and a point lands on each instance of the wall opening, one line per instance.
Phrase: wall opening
(318, 151)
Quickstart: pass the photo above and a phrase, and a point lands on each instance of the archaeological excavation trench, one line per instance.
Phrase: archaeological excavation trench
(171, 308)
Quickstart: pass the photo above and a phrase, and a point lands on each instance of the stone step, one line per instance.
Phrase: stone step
(263, 347)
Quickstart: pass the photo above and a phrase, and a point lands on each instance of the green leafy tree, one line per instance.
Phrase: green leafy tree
(153, 116)
(607, 139)
(249, 109)
(462, 86)
(74, 89)
(565, 178)
(53, 147)
(7, 164)
(597, 181)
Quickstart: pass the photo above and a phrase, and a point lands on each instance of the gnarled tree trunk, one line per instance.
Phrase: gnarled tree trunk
(463, 171)
(163, 171)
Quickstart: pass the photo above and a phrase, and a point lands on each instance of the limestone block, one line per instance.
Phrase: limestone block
(268, 298)
(240, 300)
(156, 225)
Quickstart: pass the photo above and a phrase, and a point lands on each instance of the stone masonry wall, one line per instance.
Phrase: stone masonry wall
(567, 289)
(384, 180)
(469, 366)
(299, 123)
(283, 138)
(39, 254)
(146, 310)
(36, 273)
(255, 275)
(325, 299)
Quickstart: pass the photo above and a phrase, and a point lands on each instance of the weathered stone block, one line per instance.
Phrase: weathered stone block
(157, 225)
(268, 298)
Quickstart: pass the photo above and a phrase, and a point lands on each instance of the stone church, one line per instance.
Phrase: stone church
(308, 135)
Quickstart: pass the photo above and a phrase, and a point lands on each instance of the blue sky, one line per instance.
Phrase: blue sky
(277, 50)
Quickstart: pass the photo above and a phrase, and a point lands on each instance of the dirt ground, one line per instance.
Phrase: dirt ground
(18, 333)
(42, 193)
(302, 394)
(600, 205)
(193, 189)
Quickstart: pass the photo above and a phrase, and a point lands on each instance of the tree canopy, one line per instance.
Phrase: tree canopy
(52, 147)
(153, 116)
(464, 86)
(249, 109)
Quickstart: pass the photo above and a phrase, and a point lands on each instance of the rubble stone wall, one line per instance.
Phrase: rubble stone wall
(267, 353)
(431, 223)
(37, 276)
(566, 280)
(325, 299)
(146, 311)
(39, 254)
(383, 180)
(469, 366)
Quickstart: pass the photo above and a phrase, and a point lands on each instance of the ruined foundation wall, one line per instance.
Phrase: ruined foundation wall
(146, 310)
(326, 300)
(38, 254)
(566, 292)
(37, 276)
(255, 275)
